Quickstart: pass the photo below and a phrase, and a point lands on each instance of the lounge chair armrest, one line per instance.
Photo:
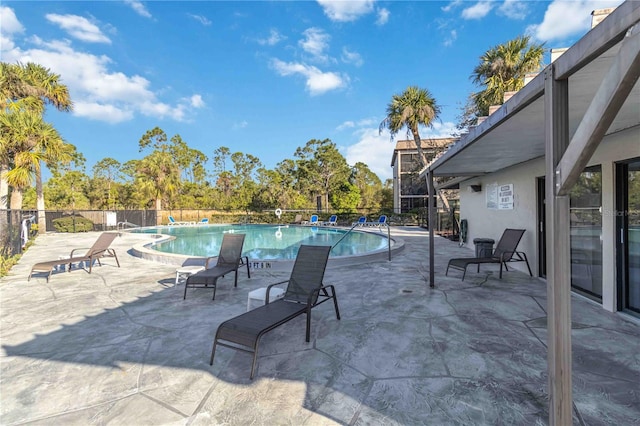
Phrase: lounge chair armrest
(209, 259)
(316, 293)
(266, 294)
(84, 249)
(506, 255)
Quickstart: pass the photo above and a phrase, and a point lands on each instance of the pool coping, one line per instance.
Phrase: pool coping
(145, 251)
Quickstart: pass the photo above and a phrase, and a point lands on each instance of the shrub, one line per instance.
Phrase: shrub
(75, 223)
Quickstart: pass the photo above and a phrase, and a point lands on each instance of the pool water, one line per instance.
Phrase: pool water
(266, 242)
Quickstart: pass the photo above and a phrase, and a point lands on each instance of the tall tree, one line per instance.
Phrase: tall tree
(322, 167)
(502, 68)
(412, 108)
(369, 185)
(105, 173)
(158, 174)
(27, 89)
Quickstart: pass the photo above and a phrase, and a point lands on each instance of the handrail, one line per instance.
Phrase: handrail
(357, 224)
(122, 225)
(343, 237)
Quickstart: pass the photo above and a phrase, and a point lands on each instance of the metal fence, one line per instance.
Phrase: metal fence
(18, 226)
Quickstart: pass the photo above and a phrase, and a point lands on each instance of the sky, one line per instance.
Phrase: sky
(265, 77)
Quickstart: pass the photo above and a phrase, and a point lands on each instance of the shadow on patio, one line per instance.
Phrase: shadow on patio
(120, 345)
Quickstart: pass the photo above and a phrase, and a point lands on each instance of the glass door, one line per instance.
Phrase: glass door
(628, 224)
(586, 233)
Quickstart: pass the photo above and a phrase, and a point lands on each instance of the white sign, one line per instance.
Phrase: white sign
(505, 197)
(492, 195)
(111, 219)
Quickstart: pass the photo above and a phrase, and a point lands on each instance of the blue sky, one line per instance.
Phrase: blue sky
(265, 77)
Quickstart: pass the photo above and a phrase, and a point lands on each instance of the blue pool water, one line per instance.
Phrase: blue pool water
(266, 242)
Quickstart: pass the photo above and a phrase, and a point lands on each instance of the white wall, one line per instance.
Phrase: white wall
(487, 223)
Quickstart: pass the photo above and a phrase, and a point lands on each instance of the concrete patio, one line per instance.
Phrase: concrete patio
(120, 346)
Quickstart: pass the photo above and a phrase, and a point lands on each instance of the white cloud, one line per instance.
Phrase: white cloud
(565, 19)
(346, 11)
(514, 9)
(139, 8)
(315, 42)
(439, 130)
(109, 113)
(97, 91)
(373, 149)
(452, 5)
(453, 35)
(240, 125)
(365, 122)
(346, 125)
(351, 57)
(383, 16)
(477, 11)
(317, 82)
(10, 24)
(196, 101)
(274, 38)
(202, 19)
(78, 27)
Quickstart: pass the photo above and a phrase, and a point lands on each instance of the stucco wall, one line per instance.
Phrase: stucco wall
(487, 223)
(490, 223)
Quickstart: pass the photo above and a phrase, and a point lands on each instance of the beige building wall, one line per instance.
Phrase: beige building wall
(489, 223)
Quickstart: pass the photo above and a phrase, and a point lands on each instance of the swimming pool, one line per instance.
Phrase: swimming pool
(266, 242)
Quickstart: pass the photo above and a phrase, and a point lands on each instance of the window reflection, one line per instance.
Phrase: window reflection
(586, 233)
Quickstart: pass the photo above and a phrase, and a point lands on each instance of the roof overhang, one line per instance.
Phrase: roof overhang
(515, 133)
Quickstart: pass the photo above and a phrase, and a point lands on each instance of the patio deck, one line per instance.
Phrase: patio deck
(120, 346)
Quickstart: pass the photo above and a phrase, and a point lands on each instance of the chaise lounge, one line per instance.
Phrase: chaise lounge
(504, 252)
(99, 250)
(304, 291)
(228, 260)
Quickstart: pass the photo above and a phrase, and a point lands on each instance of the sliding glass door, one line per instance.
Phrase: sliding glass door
(586, 233)
(628, 224)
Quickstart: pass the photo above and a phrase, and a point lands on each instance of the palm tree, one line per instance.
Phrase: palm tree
(34, 85)
(35, 141)
(503, 68)
(27, 89)
(412, 108)
(158, 177)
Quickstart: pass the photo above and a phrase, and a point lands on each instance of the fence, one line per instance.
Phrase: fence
(17, 226)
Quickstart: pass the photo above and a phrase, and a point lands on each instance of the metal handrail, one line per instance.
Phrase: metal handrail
(357, 224)
(123, 225)
(343, 237)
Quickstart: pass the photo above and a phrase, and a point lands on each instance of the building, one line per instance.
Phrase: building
(561, 159)
(409, 189)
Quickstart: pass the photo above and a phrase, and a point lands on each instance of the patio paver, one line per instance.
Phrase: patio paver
(120, 346)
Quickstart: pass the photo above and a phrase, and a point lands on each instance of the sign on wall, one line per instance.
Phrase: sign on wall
(505, 197)
(492, 195)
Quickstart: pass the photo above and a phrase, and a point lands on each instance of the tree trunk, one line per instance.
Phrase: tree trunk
(4, 195)
(42, 219)
(418, 141)
(16, 199)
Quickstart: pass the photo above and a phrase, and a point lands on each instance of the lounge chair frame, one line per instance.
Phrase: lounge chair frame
(243, 333)
(504, 252)
(100, 249)
(333, 220)
(229, 259)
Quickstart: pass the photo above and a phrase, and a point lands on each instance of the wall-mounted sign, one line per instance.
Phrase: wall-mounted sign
(505, 197)
(492, 196)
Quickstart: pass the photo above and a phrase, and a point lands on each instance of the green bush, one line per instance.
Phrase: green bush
(73, 224)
